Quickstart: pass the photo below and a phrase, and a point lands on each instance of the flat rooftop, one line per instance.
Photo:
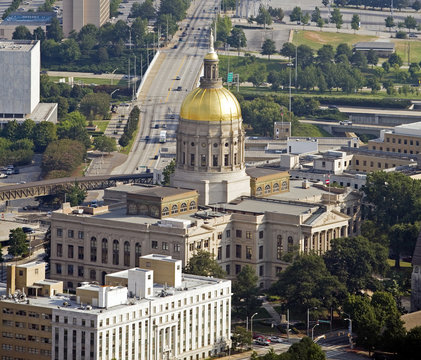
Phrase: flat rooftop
(256, 172)
(298, 193)
(29, 18)
(16, 45)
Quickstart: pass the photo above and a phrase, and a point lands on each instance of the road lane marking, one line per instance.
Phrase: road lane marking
(178, 71)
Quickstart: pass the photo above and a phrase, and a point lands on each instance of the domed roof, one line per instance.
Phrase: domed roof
(211, 55)
(210, 104)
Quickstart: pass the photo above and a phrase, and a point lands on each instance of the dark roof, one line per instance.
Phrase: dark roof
(416, 258)
(29, 18)
(259, 172)
(160, 191)
(375, 45)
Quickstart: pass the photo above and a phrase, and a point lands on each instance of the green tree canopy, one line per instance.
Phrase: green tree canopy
(21, 33)
(18, 245)
(95, 105)
(43, 134)
(245, 291)
(268, 48)
(105, 144)
(355, 22)
(237, 39)
(73, 126)
(54, 30)
(296, 14)
(203, 263)
(263, 17)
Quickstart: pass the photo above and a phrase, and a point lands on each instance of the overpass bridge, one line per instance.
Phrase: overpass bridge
(335, 128)
(53, 186)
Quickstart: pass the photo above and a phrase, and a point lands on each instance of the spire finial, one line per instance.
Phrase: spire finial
(211, 41)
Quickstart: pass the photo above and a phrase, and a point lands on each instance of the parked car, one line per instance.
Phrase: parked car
(262, 341)
(28, 230)
(276, 339)
(3, 176)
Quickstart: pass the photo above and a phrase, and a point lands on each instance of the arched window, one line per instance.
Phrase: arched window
(126, 253)
(183, 207)
(116, 252)
(259, 191)
(165, 211)
(284, 185)
(290, 244)
(267, 189)
(279, 247)
(275, 187)
(92, 274)
(104, 251)
(192, 205)
(93, 249)
(174, 209)
(138, 253)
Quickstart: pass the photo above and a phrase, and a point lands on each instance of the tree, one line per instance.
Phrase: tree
(355, 261)
(416, 5)
(268, 48)
(73, 126)
(95, 105)
(245, 290)
(306, 349)
(75, 195)
(304, 55)
(263, 17)
(69, 50)
(315, 15)
(44, 133)
(145, 10)
(411, 347)
(402, 240)
(355, 22)
(139, 30)
(177, 8)
(54, 30)
(223, 28)
(308, 283)
(372, 57)
(21, 33)
(168, 170)
(203, 263)
(410, 23)
(296, 14)
(389, 22)
(320, 23)
(105, 144)
(64, 155)
(241, 337)
(39, 34)
(237, 39)
(325, 2)
(18, 245)
(336, 18)
(26, 129)
(359, 59)
(343, 49)
(288, 50)
(47, 245)
(325, 54)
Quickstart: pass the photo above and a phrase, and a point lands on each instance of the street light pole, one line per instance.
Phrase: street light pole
(290, 65)
(312, 331)
(349, 329)
(251, 323)
(308, 319)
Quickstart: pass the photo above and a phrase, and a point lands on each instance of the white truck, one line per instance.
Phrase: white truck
(163, 136)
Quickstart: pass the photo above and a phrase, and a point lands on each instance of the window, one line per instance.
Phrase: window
(126, 253)
(184, 157)
(279, 247)
(248, 253)
(70, 233)
(227, 269)
(261, 270)
(323, 163)
(92, 274)
(238, 233)
(267, 189)
(93, 249)
(290, 244)
(219, 256)
(237, 269)
(80, 252)
(215, 160)
(154, 244)
(138, 253)
(249, 235)
(226, 158)
(58, 268)
(278, 270)
(192, 159)
(104, 251)
(59, 250)
(80, 234)
(69, 269)
(259, 191)
(228, 251)
(174, 209)
(165, 211)
(80, 271)
(275, 187)
(192, 205)
(261, 252)
(228, 233)
(183, 207)
(203, 160)
(164, 245)
(238, 251)
(59, 232)
(261, 234)
(116, 252)
(177, 247)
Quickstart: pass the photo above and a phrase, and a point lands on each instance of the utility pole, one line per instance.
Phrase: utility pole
(128, 74)
(296, 67)
(135, 82)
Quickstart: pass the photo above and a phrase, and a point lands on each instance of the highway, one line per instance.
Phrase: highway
(159, 99)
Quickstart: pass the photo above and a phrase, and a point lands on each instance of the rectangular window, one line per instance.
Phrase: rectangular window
(228, 251)
(164, 245)
(215, 160)
(248, 252)
(154, 244)
(238, 251)
(69, 269)
(80, 271)
(192, 159)
(226, 160)
(261, 252)
(177, 247)
(261, 234)
(80, 234)
(70, 233)
(228, 233)
(59, 250)
(261, 270)
(59, 232)
(237, 269)
(80, 252)
(184, 157)
(238, 233)
(219, 256)
(58, 268)
(228, 269)
(70, 251)
(202, 160)
(249, 235)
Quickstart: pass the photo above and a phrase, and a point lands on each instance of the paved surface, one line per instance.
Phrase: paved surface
(159, 101)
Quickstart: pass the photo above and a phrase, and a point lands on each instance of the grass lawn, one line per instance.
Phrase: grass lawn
(401, 47)
(102, 124)
(403, 264)
(309, 130)
(316, 39)
(89, 81)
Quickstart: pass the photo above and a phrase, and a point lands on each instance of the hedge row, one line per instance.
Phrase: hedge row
(130, 127)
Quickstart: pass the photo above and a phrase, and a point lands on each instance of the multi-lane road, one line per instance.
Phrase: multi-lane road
(159, 99)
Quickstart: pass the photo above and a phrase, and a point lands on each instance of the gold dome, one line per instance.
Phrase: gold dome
(212, 55)
(210, 105)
